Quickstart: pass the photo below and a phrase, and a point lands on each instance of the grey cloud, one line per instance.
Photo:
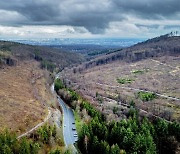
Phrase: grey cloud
(80, 30)
(90, 15)
(94, 15)
(172, 26)
(152, 9)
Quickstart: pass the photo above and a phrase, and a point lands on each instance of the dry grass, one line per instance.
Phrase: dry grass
(23, 95)
(158, 75)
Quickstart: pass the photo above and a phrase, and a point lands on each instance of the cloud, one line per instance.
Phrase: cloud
(151, 9)
(11, 17)
(22, 32)
(95, 16)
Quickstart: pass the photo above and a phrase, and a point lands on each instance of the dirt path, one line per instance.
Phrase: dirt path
(175, 69)
(136, 89)
(164, 64)
(37, 126)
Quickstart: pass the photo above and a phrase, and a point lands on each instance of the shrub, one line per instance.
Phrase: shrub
(146, 96)
(58, 84)
(124, 80)
(37, 56)
(115, 109)
(138, 71)
(57, 151)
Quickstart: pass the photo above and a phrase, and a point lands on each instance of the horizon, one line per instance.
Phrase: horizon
(93, 19)
(103, 42)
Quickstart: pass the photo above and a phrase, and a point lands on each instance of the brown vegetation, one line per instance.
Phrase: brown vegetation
(24, 87)
(159, 75)
(56, 56)
(23, 95)
(156, 47)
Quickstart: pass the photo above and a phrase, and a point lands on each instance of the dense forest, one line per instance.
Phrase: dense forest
(132, 135)
(10, 144)
(40, 141)
(127, 136)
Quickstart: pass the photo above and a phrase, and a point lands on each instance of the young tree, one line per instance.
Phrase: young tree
(24, 147)
(115, 149)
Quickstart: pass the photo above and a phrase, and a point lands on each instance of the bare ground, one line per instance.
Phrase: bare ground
(159, 75)
(24, 92)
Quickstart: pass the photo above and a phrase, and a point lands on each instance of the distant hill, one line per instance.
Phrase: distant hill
(11, 51)
(168, 44)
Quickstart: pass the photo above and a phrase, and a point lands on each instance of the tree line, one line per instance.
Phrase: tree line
(42, 139)
(131, 135)
(9, 144)
(44, 64)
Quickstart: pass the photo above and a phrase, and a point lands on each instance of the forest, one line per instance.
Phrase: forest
(132, 135)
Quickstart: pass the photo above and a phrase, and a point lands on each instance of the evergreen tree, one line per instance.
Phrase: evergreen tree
(24, 147)
(6, 150)
(95, 145)
(115, 149)
(57, 151)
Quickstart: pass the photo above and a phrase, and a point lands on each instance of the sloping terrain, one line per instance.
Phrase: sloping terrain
(112, 86)
(21, 103)
(24, 87)
(156, 47)
(56, 56)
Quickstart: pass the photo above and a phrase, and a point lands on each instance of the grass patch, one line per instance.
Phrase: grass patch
(138, 71)
(146, 96)
(124, 80)
(78, 121)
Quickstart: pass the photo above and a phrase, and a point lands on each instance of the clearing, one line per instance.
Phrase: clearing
(24, 92)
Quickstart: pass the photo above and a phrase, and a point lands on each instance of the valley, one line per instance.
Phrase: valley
(29, 112)
(89, 77)
(137, 85)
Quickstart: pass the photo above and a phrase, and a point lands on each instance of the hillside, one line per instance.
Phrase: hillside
(21, 106)
(156, 47)
(113, 81)
(24, 86)
(24, 52)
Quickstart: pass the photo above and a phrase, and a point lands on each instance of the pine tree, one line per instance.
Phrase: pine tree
(24, 147)
(115, 149)
(95, 145)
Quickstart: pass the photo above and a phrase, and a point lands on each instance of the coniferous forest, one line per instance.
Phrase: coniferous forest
(133, 135)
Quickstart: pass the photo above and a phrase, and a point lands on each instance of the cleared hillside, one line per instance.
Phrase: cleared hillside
(24, 86)
(21, 103)
(113, 81)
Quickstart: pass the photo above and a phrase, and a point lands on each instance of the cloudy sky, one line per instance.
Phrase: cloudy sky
(88, 18)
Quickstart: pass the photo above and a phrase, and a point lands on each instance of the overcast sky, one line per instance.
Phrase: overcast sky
(88, 18)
